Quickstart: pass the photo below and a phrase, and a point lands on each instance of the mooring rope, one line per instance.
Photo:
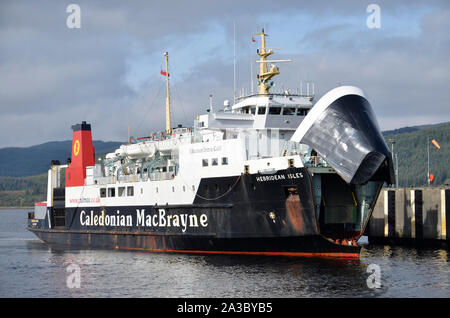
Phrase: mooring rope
(222, 195)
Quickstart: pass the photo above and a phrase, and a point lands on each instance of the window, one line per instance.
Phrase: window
(173, 189)
(205, 162)
(121, 192)
(102, 192)
(288, 111)
(170, 168)
(261, 110)
(224, 161)
(274, 110)
(184, 189)
(253, 110)
(193, 188)
(130, 191)
(302, 112)
(111, 192)
(156, 189)
(214, 162)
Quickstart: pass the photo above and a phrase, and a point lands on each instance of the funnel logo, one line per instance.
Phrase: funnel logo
(76, 147)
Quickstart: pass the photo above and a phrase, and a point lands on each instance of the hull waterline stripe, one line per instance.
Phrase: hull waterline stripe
(295, 254)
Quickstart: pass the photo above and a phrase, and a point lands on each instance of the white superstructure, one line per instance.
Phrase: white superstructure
(251, 136)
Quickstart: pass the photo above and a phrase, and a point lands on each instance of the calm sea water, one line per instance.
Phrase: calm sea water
(30, 268)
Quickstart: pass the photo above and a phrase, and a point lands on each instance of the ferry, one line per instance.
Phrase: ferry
(273, 173)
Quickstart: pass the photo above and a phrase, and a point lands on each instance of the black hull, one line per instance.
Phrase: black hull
(306, 246)
(248, 214)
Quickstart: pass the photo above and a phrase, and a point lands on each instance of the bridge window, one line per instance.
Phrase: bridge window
(214, 162)
(302, 112)
(288, 111)
(253, 110)
(204, 162)
(224, 160)
(261, 110)
(111, 192)
(121, 191)
(274, 110)
(102, 192)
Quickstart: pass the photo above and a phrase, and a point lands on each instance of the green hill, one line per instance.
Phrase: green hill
(29, 161)
(22, 191)
(411, 149)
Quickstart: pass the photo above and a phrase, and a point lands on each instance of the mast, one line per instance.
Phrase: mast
(168, 126)
(234, 62)
(265, 75)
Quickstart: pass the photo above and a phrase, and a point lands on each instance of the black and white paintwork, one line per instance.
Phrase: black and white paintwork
(244, 189)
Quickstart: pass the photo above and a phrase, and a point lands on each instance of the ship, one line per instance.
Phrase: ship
(275, 173)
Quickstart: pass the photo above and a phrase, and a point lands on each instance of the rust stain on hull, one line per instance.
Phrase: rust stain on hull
(294, 208)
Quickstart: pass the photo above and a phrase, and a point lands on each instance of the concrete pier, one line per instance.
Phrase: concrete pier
(411, 215)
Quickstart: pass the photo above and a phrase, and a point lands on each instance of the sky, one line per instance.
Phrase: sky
(107, 71)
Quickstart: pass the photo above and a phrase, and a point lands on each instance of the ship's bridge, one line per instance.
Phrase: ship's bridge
(271, 111)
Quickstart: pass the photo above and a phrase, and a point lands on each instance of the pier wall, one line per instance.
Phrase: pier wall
(411, 214)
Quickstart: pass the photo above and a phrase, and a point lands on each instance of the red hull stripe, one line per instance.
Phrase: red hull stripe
(295, 254)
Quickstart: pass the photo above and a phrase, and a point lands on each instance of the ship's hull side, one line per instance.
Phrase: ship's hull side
(307, 246)
(268, 214)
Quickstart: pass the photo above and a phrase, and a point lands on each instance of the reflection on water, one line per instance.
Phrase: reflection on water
(30, 268)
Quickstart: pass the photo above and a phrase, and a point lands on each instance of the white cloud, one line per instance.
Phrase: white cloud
(107, 72)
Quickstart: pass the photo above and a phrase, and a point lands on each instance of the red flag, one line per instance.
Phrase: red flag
(435, 143)
(431, 177)
(164, 73)
(253, 40)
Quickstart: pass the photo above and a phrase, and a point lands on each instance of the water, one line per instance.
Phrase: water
(30, 268)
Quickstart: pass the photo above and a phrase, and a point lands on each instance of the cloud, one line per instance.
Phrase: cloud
(107, 72)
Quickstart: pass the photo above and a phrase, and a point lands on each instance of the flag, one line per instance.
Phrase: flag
(253, 40)
(164, 73)
(435, 143)
(431, 177)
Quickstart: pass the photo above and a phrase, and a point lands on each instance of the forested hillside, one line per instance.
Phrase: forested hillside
(34, 160)
(22, 191)
(411, 149)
